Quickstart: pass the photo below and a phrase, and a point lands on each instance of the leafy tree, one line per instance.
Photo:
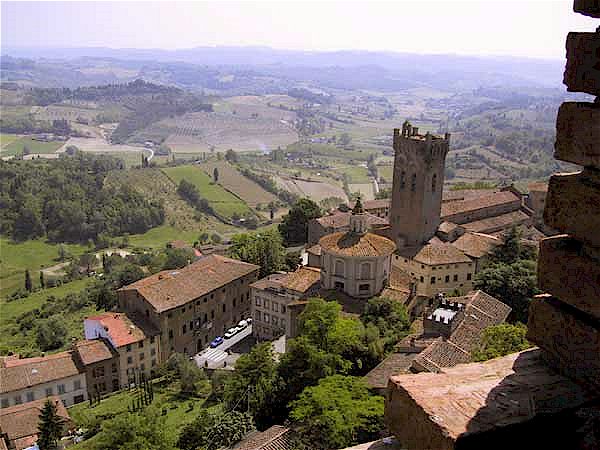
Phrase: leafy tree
(500, 340)
(512, 249)
(203, 238)
(216, 175)
(51, 333)
(188, 372)
(384, 194)
(263, 249)
(210, 431)
(294, 225)
(88, 260)
(338, 412)
(216, 238)
(293, 260)
(345, 139)
(231, 156)
(178, 258)
(28, 284)
(389, 317)
(50, 427)
(62, 252)
(134, 431)
(514, 284)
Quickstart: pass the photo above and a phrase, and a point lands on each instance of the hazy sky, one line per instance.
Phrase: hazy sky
(535, 28)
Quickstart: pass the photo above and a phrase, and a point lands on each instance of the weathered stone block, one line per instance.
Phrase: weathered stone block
(566, 272)
(571, 339)
(578, 133)
(572, 204)
(514, 399)
(587, 7)
(582, 72)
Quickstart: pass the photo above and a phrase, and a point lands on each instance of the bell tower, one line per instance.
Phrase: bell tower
(417, 187)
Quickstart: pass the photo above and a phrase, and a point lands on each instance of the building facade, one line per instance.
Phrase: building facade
(193, 305)
(102, 366)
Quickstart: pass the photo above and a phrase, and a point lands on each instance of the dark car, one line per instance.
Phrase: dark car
(216, 342)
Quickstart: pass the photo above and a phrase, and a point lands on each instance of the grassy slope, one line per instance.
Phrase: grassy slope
(16, 147)
(222, 201)
(6, 139)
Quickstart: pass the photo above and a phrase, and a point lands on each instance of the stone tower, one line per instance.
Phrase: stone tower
(418, 182)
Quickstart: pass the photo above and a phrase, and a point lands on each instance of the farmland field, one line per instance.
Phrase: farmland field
(6, 138)
(16, 147)
(315, 190)
(365, 189)
(232, 180)
(222, 201)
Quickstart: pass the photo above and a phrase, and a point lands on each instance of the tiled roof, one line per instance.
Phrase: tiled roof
(481, 311)
(440, 253)
(20, 422)
(492, 224)
(93, 351)
(302, 279)
(466, 194)
(394, 364)
(375, 204)
(124, 329)
(399, 295)
(274, 438)
(342, 219)
(389, 443)
(353, 244)
(476, 245)
(24, 373)
(270, 281)
(400, 279)
(172, 288)
(539, 186)
(447, 227)
(315, 250)
(464, 206)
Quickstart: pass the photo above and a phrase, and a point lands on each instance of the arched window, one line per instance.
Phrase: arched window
(365, 271)
(413, 183)
(434, 182)
(339, 268)
(402, 180)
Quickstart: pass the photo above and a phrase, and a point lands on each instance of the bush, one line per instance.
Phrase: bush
(51, 333)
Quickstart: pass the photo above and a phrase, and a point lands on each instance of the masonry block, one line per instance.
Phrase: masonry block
(570, 338)
(587, 7)
(582, 71)
(516, 400)
(566, 272)
(578, 133)
(572, 203)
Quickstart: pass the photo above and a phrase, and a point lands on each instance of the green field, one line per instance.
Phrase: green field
(6, 139)
(16, 147)
(222, 201)
(158, 237)
(33, 255)
(165, 396)
(386, 172)
(356, 174)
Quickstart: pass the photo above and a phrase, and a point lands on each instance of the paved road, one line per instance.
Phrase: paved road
(217, 356)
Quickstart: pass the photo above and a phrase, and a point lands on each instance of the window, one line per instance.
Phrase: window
(339, 268)
(142, 367)
(283, 308)
(128, 348)
(191, 325)
(224, 307)
(153, 363)
(78, 399)
(48, 392)
(114, 368)
(141, 344)
(468, 276)
(18, 400)
(183, 329)
(363, 287)
(282, 323)
(432, 280)
(365, 271)
(212, 314)
(102, 387)
(421, 279)
(257, 301)
(413, 182)
(433, 268)
(434, 182)
(129, 360)
(205, 318)
(247, 295)
(170, 334)
(266, 303)
(61, 389)
(30, 396)
(274, 320)
(152, 351)
(266, 318)
(275, 306)
(403, 180)
(5, 403)
(141, 356)
(455, 278)
(152, 339)
(447, 279)
(98, 372)
(212, 295)
(257, 315)
(169, 315)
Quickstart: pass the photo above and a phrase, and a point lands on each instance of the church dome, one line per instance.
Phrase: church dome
(355, 244)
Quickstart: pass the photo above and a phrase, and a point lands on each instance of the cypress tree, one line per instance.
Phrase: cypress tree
(42, 283)
(49, 427)
(28, 285)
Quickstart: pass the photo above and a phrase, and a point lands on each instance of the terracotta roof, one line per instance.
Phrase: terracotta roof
(375, 204)
(481, 311)
(20, 422)
(270, 281)
(23, 373)
(447, 227)
(466, 194)
(352, 244)
(93, 351)
(439, 253)
(399, 295)
(389, 443)
(394, 364)
(172, 288)
(274, 438)
(539, 186)
(315, 250)
(400, 279)
(464, 206)
(493, 224)
(302, 279)
(342, 219)
(124, 329)
(476, 245)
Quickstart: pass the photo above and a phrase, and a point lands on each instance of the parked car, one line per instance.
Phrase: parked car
(231, 332)
(242, 324)
(249, 320)
(216, 342)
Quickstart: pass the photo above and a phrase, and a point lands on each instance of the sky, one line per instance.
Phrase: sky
(530, 28)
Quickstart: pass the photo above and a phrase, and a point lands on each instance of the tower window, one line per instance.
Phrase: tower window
(413, 183)
(434, 182)
(402, 180)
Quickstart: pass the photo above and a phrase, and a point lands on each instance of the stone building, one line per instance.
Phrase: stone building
(134, 339)
(272, 295)
(417, 188)
(377, 207)
(102, 368)
(29, 379)
(191, 306)
(337, 222)
(546, 397)
(356, 262)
